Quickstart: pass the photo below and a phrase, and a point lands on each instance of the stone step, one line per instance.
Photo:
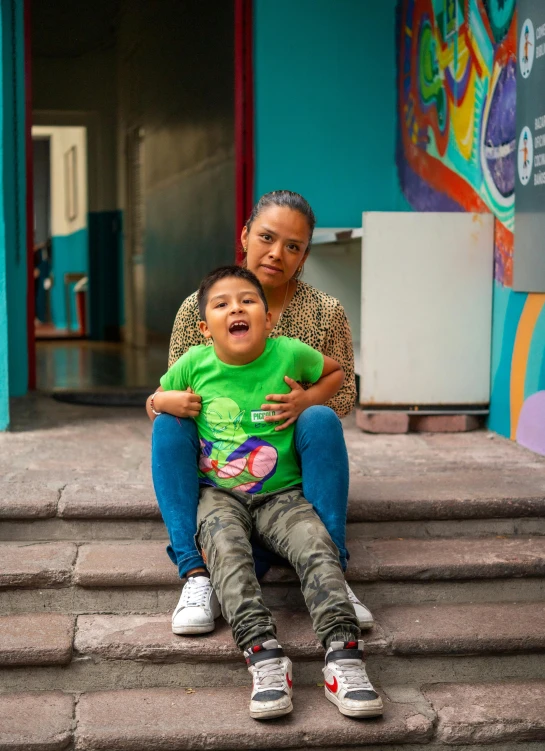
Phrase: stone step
(100, 530)
(501, 715)
(139, 576)
(481, 502)
(36, 639)
(423, 644)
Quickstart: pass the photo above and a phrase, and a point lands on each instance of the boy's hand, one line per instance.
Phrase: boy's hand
(178, 403)
(290, 407)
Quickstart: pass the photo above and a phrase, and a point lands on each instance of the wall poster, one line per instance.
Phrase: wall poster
(529, 252)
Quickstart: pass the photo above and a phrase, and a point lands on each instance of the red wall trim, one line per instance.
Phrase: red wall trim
(31, 340)
(244, 118)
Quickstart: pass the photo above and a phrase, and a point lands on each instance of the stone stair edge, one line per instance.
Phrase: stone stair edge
(411, 630)
(118, 564)
(370, 499)
(509, 712)
(44, 639)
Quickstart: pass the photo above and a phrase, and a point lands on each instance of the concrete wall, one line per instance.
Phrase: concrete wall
(325, 105)
(176, 83)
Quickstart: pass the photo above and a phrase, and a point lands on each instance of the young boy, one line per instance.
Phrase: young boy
(251, 485)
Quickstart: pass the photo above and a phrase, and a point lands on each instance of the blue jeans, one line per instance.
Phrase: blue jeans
(320, 445)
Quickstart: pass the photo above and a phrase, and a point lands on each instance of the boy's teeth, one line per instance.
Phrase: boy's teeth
(238, 326)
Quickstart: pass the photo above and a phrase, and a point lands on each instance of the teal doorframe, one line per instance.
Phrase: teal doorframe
(13, 250)
(4, 379)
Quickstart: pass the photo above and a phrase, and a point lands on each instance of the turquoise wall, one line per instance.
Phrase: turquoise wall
(4, 391)
(69, 254)
(14, 188)
(325, 105)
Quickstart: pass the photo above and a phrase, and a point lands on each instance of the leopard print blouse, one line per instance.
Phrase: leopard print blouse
(312, 316)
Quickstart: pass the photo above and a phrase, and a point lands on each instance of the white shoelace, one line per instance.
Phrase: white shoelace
(351, 596)
(195, 593)
(269, 674)
(353, 676)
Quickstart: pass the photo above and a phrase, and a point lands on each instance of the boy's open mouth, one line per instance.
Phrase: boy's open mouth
(239, 328)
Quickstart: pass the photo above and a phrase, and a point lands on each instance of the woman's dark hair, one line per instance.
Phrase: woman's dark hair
(226, 272)
(289, 200)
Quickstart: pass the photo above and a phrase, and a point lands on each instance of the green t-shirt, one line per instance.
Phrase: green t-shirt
(239, 450)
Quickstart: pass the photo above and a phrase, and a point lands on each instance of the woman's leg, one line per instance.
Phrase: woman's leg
(319, 441)
(174, 458)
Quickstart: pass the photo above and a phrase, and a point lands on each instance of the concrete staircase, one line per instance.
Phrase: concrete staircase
(447, 541)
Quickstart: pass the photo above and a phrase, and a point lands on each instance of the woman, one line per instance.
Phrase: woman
(276, 241)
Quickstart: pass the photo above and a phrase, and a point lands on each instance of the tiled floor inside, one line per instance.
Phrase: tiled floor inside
(84, 365)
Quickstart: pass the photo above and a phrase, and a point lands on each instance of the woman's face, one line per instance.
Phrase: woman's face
(276, 244)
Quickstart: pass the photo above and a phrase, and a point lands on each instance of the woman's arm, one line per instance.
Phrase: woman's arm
(338, 345)
(291, 405)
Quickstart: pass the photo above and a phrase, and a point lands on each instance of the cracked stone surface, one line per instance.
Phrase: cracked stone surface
(122, 564)
(143, 637)
(36, 721)
(36, 564)
(173, 719)
(488, 713)
(464, 628)
(28, 500)
(36, 639)
(109, 501)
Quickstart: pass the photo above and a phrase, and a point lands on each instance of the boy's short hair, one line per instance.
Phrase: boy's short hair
(226, 272)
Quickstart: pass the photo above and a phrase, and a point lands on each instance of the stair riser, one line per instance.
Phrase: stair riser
(87, 675)
(163, 599)
(87, 530)
(433, 746)
(82, 530)
(445, 528)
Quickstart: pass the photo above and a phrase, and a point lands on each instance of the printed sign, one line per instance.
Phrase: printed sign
(529, 252)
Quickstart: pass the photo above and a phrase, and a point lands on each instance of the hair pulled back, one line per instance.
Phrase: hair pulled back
(285, 199)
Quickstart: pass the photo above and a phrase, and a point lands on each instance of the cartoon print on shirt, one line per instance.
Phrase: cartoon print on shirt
(234, 459)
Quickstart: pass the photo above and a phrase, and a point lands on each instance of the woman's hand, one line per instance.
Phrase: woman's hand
(290, 407)
(178, 403)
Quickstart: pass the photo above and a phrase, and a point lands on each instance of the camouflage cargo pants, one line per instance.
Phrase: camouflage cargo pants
(285, 523)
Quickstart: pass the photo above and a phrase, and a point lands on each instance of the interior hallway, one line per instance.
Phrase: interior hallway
(86, 365)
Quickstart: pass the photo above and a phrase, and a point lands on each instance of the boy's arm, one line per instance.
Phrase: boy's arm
(178, 403)
(173, 396)
(291, 405)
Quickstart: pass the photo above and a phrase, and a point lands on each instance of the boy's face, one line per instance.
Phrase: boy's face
(236, 321)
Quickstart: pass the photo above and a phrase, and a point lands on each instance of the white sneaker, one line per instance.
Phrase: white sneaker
(346, 683)
(197, 608)
(363, 614)
(272, 680)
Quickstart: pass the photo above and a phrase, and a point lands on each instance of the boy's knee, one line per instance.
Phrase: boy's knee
(309, 537)
(319, 415)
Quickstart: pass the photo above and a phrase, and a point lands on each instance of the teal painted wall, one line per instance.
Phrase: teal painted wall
(70, 254)
(105, 274)
(4, 383)
(14, 187)
(325, 105)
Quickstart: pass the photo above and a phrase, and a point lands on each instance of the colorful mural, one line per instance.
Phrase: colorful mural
(457, 97)
(456, 152)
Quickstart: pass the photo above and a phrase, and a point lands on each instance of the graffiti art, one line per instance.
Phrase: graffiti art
(456, 102)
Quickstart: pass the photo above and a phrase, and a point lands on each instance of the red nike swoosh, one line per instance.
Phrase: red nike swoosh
(332, 686)
(289, 680)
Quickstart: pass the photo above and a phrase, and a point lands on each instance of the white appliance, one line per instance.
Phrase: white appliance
(417, 289)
